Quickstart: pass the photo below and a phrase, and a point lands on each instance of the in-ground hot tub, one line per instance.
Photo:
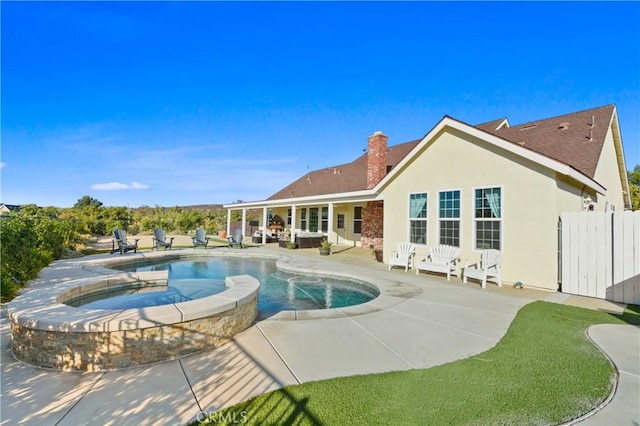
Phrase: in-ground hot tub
(48, 333)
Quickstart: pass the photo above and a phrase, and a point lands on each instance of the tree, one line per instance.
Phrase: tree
(635, 196)
(634, 187)
(88, 201)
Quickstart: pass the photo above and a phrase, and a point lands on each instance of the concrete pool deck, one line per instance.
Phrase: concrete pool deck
(441, 322)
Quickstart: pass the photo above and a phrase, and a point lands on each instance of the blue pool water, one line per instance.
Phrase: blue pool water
(196, 278)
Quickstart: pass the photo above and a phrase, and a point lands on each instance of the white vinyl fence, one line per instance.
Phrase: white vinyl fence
(600, 255)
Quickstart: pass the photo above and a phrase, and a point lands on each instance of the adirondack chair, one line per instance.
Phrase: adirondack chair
(235, 238)
(403, 256)
(160, 239)
(487, 268)
(201, 238)
(443, 259)
(120, 239)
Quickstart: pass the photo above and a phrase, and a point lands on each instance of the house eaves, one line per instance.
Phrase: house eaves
(622, 168)
(448, 122)
(351, 197)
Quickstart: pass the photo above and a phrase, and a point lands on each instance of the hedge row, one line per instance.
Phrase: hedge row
(27, 244)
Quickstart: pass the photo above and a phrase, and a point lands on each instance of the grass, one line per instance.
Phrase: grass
(543, 371)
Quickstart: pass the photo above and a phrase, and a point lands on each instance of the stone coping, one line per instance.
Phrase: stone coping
(41, 308)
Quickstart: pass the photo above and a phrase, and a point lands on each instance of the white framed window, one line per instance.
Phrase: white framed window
(340, 220)
(418, 218)
(449, 217)
(324, 219)
(289, 217)
(303, 219)
(357, 220)
(313, 219)
(488, 218)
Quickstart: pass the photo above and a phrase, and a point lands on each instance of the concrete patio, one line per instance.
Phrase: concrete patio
(434, 323)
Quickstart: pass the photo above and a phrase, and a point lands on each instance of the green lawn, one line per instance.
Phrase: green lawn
(544, 371)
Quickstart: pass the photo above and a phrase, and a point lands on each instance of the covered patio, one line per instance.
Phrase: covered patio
(355, 220)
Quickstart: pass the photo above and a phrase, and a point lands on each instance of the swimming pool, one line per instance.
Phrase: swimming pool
(195, 278)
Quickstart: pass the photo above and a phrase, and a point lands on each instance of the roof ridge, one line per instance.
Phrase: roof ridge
(561, 115)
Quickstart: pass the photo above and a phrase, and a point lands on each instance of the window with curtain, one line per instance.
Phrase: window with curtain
(357, 220)
(303, 219)
(449, 217)
(325, 219)
(418, 218)
(313, 219)
(488, 218)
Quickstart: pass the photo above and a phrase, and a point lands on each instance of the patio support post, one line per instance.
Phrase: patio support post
(330, 232)
(293, 222)
(264, 225)
(228, 221)
(244, 221)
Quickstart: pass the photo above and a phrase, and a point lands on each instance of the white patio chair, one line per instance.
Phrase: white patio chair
(443, 259)
(488, 268)
(403, 256)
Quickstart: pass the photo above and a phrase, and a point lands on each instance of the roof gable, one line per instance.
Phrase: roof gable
(494, 125)
(515, 148)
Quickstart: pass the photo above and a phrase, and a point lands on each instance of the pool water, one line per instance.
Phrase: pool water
(193, 279)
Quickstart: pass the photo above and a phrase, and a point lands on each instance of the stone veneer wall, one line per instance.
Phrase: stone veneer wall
(95, 351)
(373, 225)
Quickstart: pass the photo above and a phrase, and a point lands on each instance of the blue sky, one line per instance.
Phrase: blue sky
(179, 103)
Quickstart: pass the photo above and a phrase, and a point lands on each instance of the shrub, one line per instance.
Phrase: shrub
(28, 243)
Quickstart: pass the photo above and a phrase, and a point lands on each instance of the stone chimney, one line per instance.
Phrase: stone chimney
(376, 159)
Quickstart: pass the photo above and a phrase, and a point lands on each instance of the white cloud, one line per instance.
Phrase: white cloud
(3, 165)
(117, 186)
(136, 185)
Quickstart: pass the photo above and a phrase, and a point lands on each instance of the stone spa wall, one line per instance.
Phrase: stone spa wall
(48, 333)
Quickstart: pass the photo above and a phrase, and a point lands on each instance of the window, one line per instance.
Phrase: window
(325, 219)
(357, 220)
(340, 221)
(418, 218)
(488, 217)
(449, 218)
(303, 219)
(289, 217)
(313, 219)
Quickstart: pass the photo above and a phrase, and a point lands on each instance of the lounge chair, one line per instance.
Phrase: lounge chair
(403, 256)
(235, 238)
(201, 238)
(160, 239)
(120, 239)
(443, 259)
(487, 268)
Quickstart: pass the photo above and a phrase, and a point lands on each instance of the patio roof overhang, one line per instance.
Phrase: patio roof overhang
(346, 197)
